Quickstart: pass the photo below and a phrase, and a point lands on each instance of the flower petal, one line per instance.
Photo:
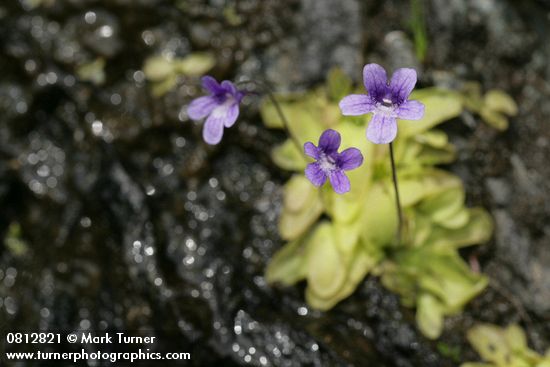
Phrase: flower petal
(311, 150)
(356, 104)
(315, 174)
(201, 107)
(375, 81)
(382, 129)
(226, 112)
(229, 87)
(339, 181)
(212, 131)
(329, 142)
(231, 114)
(410, 110)
(402, 83)
(211, 85)
(349, 159)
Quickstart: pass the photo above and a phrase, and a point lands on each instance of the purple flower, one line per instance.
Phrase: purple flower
(329, 163)
(221, 107)
(387, 102)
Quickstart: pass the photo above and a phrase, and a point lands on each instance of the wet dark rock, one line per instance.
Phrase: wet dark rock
(14, 101)
(500, 191)
(399, 51)
(43, 169)
(320, 41)
(524, 271)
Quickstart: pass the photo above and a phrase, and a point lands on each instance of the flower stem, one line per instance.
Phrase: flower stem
(397, 200)
(268, 90)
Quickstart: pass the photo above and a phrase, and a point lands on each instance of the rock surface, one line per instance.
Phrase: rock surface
(131, 223)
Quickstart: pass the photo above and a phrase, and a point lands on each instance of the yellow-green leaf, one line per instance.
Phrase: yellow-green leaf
(497, 100)
(195, 64)
(478, 229)
(379, 216)
(288, 264)
(158, 68)
(93, 71)
(443, 205)
(431, 182)
(326, 271)
(495, 119)
(515, 338)
(489, 341)
(429, 316)
(287, 156)
(440, 105)
(363, 261)
(338, 84)
(302, 207)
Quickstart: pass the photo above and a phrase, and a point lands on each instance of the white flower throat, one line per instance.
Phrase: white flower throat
(386, 107)
(327, 163)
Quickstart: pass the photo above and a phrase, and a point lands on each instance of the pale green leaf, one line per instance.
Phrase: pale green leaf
(195, 64)
(515, 338)
(477, 230)
(420, 227)
(298, 193)
(303, 206)
(448, 277)
(288, 265)
(497, 100)
(232, 16)
(429, 316)
(457, 220)
(440, 105)
(433, 138)
(363, 261)
(338, 84)
(158, 68)
(430, 156)
(443, 205)
(401, 280)
(472, 97)
(407, 154)
(495, 119)
(326, 272)
(92, 71)
(489, 341)
(379, 216)
(431, 182)
(14, 241)
(347, 238)
(288, 157)
(162, 87)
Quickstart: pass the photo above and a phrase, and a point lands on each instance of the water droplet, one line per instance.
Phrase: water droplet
(90, 17)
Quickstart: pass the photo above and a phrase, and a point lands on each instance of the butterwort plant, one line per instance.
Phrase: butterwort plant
(221, 108)
(331, 164)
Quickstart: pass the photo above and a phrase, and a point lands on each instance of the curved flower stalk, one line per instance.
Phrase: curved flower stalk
(221, 107)
(387, 102)
(331, 164)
